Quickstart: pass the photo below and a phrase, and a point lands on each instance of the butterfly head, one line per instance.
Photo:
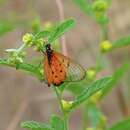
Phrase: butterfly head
(48, 47)
(49, 52)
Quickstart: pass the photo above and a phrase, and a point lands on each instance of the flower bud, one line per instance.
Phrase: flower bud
(66, 105)
(28, 38)
(91, 74)
(105, 46)
(100, 6)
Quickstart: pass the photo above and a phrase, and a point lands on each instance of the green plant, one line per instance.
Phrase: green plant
(89, 91)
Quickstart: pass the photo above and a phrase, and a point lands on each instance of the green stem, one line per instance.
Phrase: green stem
(65, 115)
(104, 31)
(104, 36)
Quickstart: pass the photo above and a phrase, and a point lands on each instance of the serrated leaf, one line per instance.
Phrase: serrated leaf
(115, 78)
(123, 125)
(90, 90)
(57, 123)
(122, 42)
(61, 29)
(42, 34)
(85, 6)
(33, 125)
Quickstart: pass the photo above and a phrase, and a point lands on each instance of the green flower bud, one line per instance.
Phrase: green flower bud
(66, 105)
(27, 39)
(105, 46)
(100, 6)
(91, 74)
(40, 42)
(16, 57)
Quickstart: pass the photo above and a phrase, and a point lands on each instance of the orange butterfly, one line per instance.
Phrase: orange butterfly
(59, 68)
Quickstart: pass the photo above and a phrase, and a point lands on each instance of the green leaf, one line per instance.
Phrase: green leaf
(115, 78)
(61, 29)
(34, 70)
(57, 123)
(42, 34)
(30, 68)
(91, 89)
(122, 42)
(85, 6)
(33, 125)
(74, 87)
(123, 125)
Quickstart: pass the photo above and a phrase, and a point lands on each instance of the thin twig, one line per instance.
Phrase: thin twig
(14, 122)
(62, 17)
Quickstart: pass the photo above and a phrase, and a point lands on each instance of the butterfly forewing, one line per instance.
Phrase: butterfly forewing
(73, 71)
(58, 71)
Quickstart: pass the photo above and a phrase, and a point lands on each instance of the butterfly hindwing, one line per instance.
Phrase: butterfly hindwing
(74, 72)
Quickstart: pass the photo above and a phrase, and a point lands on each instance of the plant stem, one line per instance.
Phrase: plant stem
(65, 115)
(104, 36)
(104, 31)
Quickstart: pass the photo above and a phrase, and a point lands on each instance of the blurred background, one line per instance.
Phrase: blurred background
(23, 97)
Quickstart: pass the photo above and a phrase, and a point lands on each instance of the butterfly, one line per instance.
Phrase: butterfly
(59, 68)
